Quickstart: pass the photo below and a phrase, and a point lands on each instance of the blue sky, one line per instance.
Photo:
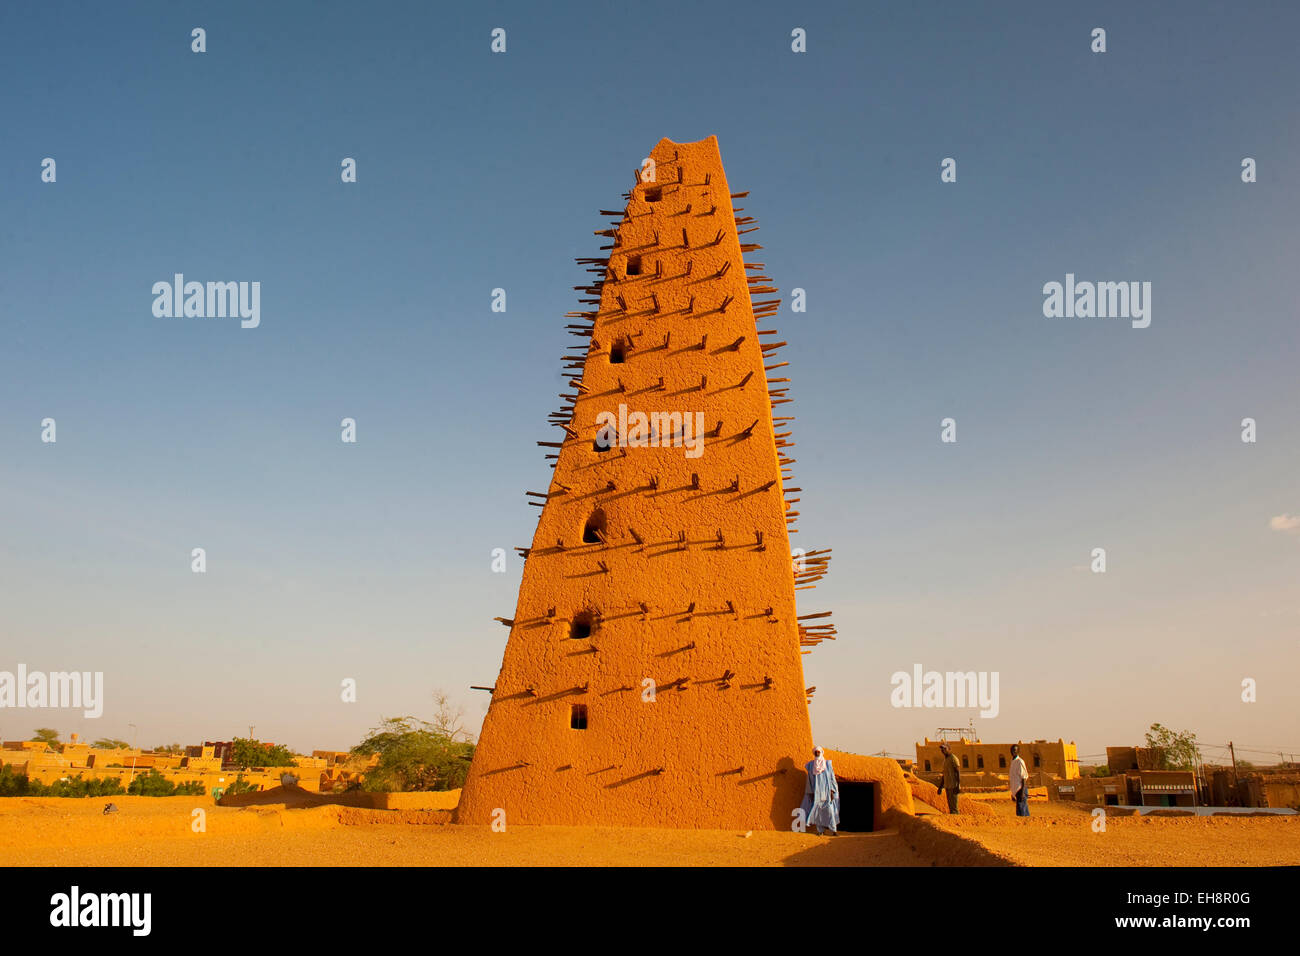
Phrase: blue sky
(478, 171)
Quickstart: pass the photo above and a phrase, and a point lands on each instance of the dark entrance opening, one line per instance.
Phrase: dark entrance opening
(857, 807)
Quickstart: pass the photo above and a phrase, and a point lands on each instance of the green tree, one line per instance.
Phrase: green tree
(48, 735)
(415, 755)
(169, 749)
(109, 743)
(1178, 751)
(253, 753)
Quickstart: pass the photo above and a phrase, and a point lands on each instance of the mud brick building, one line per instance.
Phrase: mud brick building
(653, 672)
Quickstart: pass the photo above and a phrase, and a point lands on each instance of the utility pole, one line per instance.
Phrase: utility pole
(135, 757)
(1234, 770)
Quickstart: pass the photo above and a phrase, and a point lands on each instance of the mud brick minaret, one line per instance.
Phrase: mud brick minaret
(653, 574)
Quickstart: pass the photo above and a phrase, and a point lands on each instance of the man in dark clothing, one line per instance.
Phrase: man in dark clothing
(951, 777)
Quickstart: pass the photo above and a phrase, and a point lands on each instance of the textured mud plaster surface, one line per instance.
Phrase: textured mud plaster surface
(723, 741)
(892, 790)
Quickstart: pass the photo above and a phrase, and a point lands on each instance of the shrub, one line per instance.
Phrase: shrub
(151, 784)
(13, 784)
(240, 785)
(75, 787)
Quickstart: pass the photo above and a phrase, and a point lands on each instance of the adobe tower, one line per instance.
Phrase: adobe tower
(653, 675)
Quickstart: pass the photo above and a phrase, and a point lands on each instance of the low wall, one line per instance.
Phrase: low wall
(942, 847)
(427, 800)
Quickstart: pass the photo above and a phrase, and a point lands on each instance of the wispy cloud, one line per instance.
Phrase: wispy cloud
(1287, 523)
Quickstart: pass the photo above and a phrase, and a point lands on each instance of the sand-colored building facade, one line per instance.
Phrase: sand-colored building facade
(44, 764)
(1050, 758)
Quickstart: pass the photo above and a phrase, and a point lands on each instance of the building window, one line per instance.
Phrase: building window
(927, 766)
(1002, 760)
(618, 352)
(654, 193)
(979, 762)
(1037, 761)
(633, 266)
(581, 626)
(578, 717)
(965, 762)
(594, 528)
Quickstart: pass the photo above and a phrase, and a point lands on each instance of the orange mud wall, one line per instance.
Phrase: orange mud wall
(688, 589)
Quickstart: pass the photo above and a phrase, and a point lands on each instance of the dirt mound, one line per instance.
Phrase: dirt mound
(293, 796)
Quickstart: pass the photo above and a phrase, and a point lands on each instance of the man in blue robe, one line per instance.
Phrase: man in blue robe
(821, 795)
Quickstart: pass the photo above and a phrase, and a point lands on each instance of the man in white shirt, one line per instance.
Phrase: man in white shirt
(1019, 782)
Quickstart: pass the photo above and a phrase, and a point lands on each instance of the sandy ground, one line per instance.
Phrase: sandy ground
(1061, 834)
(154, 831)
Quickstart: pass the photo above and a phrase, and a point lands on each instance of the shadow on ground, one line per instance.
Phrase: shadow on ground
(881, 848)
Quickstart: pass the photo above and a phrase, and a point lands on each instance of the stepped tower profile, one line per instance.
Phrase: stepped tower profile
(653, 672)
